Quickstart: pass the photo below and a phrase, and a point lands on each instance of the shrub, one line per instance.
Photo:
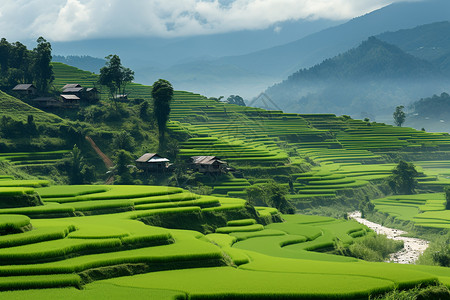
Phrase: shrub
(374, 248)
(403, 180)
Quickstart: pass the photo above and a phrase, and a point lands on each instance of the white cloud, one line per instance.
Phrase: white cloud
(62, 20)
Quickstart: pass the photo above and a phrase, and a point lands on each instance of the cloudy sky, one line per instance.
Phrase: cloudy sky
(65, 20)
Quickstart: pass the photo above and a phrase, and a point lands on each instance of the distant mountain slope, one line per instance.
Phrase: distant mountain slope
(192, 63)
(83, 62)
(373, 59)
(429, 41)
(368, 80)
(312, 49)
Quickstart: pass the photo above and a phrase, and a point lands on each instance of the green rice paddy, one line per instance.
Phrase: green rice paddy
(242, 259)
(97, 237)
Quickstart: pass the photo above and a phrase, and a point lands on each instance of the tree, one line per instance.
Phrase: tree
(5, 51)
(115, 76)
(41, 68)
(162, 94)
(123, 159)
(403, 180)
(447, 197)
(76, 162)
(236, 99)
(399, 116)
(271, 194)
(123, 141)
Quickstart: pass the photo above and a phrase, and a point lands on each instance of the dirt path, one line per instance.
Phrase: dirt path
(106, 160)
(413, 247)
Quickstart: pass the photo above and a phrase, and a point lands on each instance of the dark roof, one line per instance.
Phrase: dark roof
(206, 160)
(23, 87)
(71, 85)
(151, 157)
(45, 99)
(70, 97)
(73, 90)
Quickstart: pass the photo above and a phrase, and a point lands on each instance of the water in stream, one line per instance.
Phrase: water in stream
(413, 247)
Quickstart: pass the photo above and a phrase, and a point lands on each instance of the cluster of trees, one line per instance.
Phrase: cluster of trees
(116, 77)
(270, 194)
(236, 99)
(10, 128)
(20, 65)
(435, 107)
(403, 180)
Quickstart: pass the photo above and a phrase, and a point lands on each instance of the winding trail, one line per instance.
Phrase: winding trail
(413, 247)
(106, 160)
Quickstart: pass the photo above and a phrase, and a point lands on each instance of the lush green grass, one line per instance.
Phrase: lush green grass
(13, 222)
(18, 110)
(426, 210)
(275, 261)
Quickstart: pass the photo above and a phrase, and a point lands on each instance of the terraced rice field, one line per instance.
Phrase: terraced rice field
(426, 210)
(30, 159)
(101, 239)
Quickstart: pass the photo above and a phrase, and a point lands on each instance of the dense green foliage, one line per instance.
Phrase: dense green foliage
(162, 93)
(374, 248)
(403, 181)
(282, 160)
(115, 76)
(20, 65)
(435, 107)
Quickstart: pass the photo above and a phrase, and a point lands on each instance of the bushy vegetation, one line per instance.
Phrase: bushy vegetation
(20, 65)
(213, 243)
(374, 248)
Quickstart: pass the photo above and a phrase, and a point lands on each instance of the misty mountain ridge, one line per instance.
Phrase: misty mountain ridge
(429, 41)
(369, 80)
(372, 60)
(84, 62)
(247, 62)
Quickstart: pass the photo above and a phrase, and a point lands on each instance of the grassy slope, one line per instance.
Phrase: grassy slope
(270, 262)
(255, 133)
(18, 110)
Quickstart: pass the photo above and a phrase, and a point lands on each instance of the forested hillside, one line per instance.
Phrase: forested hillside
(367, 81)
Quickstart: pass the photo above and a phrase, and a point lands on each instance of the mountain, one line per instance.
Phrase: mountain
(158, 52)
(366, 81)
(246, 62)
(84, 62)
(274, 64)
(429, 41)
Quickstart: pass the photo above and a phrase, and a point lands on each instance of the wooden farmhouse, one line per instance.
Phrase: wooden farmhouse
(47, 102)
(70, 101)
(92, 94)
(25, 89)
(77, 91)
(209, 164)
(85, 94)
(152, 162)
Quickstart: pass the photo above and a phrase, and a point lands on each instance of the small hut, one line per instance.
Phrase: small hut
(70, 101)
(152, 162)
(25, 89)
(71, 86)
(77, 91)
(209, 164)
(47, 102)
(92, 94)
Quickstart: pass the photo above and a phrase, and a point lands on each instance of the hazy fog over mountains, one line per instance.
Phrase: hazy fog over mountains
(247, 62)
